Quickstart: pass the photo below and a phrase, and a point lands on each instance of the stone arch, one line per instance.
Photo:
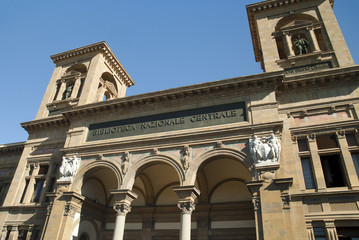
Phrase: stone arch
(283, 22)
(79, 67)
(239, 156)
(108, 84)
(81, 227)
(78, 180)
(130, 176)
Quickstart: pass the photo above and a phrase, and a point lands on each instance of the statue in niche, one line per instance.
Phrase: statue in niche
(265, 150)
(125, 162)
(185, 157)
(68, 91)
(69, 167)
(301, 44)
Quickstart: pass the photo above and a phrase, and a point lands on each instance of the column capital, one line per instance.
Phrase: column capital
(122, 208)
(123, 199)
(186, 207)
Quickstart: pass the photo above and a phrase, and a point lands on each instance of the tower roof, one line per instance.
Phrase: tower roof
(107, 53)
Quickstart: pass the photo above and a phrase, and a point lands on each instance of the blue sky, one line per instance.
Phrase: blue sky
(161, 43)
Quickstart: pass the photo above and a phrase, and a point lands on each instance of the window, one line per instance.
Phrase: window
(319, 233)
(25, 189)
(327, 141)
(308, 173)
(303, 145)
(43, 169)
(351, 139)
(333, 170)
(37, 190)
(355, 157)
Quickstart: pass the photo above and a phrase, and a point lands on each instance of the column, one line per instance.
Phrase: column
(310, 231)
(186, 198)
(61, 91)
(313, 39)
(76, 88)
(317, 165)
(14, 233)
(348, 164)
(121, 211)
(122, 206)
(254, 188)
(288, 44)
(331, 231)
(30, 232)
(3, 233)
(30, 187)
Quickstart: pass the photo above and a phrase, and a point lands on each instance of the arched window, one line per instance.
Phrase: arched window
(298, 34)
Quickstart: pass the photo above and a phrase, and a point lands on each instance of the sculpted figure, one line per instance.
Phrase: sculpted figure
(265, 150)
(68, 91)
(301, 44)
(69, 167)
(273, 142)
(125, 162)
(185, 157)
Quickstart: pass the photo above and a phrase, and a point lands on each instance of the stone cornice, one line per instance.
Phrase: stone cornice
(12, 147)
(258, 81)
(201, 136)
(102, 47)
(45, 123)
(325, 128)
(323, 77)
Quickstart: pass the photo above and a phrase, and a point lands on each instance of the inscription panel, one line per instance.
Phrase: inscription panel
(192, 118)
(308, 68)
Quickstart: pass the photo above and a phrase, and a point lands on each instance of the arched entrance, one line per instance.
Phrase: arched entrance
(224, 209)
(154, 213)
(97, 216)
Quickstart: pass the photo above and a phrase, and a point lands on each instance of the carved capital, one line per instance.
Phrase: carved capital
(256, 203)
(122, 208)
(70, 210)
(286, 201)
(219, 144)
(154, 151)
(340, 133)
(311, 137)
(186, 207)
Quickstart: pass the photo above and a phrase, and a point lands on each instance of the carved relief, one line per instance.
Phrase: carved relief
(265, 151)
(186, 207)
(69, 168)
(122, 208)
(69, 210)
(125, 163)
(185, 157)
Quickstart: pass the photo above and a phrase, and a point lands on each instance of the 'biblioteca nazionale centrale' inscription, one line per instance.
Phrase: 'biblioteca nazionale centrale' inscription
(199, 117)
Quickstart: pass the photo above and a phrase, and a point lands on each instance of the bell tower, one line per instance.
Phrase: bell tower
(81, 76)
(297, 36)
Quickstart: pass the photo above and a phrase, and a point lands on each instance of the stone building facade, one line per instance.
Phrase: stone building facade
(267, 156)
